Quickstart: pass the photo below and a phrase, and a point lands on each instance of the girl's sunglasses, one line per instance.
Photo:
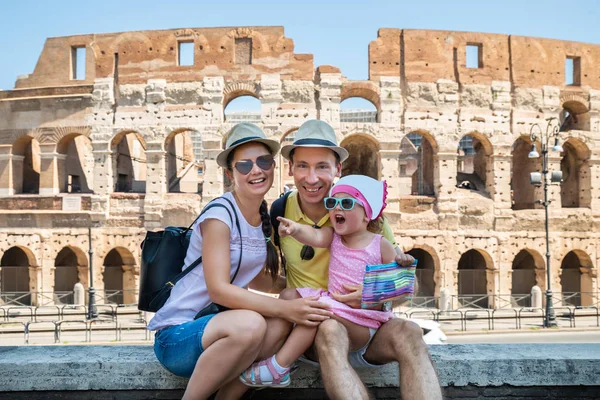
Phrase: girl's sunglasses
(264, 162)
(347, 203)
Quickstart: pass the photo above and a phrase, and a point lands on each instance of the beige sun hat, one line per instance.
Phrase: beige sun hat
(242, 133)
(315, 133)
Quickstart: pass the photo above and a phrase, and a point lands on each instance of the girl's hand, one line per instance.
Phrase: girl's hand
(405, 260)
(287, 227)
(307, 311)
(353, 298)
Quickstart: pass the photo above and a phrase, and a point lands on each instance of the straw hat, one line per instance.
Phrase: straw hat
(243, 133)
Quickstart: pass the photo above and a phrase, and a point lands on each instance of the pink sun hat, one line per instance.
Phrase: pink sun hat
(370, 192)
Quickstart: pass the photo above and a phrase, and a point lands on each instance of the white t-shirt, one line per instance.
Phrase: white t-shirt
(190, 294)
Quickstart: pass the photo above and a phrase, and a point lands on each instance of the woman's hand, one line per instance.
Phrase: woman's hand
(287, 227)
(308, 311)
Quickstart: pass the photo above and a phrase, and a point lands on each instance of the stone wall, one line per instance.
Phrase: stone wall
(122, 126)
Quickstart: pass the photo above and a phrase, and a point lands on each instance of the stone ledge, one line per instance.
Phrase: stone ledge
(28, 371)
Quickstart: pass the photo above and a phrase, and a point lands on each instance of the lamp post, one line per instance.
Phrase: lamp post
(552, 130)
(92, 312)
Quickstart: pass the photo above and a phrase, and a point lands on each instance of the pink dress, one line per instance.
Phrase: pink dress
(347, 266)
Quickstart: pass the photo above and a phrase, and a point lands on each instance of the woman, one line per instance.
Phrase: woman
(214, 349)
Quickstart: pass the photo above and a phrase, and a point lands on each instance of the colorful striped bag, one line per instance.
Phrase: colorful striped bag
(387, 282)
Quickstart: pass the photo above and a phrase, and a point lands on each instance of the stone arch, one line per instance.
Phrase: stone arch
(129, 162)
(428, 272)
(364, 157)
(368, 91)
(71, 267)
(182, 165)
(528, 268)
(575, 112)
(474, 287)
(238, 89)
(576, 185)
(416, 163)
(365, 90)
(474, 165)
(119, 276)
(524, 194)
(576, 279)
(27, 165)
(17, 279)
(76, 166)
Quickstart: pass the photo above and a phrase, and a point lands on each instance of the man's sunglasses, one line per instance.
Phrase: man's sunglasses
(264, 162)
(307, 252)
(347, 203)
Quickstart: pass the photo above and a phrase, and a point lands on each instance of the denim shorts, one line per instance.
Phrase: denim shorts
(178, 347)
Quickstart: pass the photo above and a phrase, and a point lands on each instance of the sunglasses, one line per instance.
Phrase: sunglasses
(307, 252)
(347, 203)
(264, 162)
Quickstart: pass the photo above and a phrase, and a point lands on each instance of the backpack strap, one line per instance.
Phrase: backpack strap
(193, 265)
(278, 210)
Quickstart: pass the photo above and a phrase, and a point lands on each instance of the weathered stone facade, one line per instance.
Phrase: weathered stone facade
(112, 149)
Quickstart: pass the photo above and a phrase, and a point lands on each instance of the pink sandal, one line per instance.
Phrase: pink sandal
(251, 376)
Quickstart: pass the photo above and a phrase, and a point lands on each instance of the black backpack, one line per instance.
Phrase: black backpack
(278, 210)
(163, 254)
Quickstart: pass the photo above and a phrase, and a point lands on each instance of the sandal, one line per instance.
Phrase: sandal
(251, 376)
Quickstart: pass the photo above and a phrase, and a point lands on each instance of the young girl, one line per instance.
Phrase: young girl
(354, 202)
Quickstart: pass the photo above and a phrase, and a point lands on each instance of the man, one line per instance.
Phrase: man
(315, 160)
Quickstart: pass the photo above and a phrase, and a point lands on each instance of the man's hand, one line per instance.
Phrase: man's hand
(286, 227)
(404, 260)
(353, 298)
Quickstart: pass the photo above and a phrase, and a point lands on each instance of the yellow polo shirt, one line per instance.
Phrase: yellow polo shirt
(309, 273)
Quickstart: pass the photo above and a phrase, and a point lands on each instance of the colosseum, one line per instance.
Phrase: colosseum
(116, 134)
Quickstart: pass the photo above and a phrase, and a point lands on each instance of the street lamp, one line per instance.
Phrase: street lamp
(92, 312)
(552, 130)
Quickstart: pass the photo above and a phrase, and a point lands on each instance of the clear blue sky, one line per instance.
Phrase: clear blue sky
(336, 32)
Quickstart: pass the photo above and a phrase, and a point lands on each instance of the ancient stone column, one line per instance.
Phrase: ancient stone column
(270, 97)
(7, 178)
(390, 101)
(329, 98)
(51, 180)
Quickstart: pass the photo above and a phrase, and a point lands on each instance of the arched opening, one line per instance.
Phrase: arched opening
(474, 171)
(130, 163)
(425, 275)
(364, 157)
(287, 181)
(26, 165)
(184, 162)
(575, 188)
(527, 271)
(357, 109)
(574, 116)
(77, 169)
(119, 277)
(576, 279)
(243, 108)
(14, 276)
(524, 194)
(67, 273)
(472, 279)
(416, 165)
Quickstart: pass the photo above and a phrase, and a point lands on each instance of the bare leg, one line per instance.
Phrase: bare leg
(232, 340)
(277, 331)
(402, 341)
(339, 378)
(301, 338)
